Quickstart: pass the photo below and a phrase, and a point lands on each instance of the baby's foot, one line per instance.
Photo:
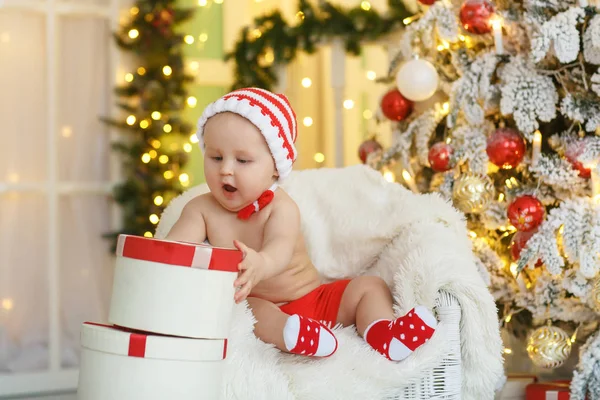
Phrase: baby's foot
(398, 339)
(308, 337)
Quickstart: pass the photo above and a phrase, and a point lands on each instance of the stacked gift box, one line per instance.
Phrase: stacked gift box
(168, 323)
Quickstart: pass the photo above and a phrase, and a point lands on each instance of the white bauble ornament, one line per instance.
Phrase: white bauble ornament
(417, 79)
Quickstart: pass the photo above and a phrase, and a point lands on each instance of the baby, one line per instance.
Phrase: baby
(248, 138)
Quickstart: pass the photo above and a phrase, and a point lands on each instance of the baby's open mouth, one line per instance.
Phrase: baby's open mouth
(229, 188)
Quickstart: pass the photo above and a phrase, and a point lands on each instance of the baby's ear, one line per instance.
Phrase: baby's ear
(276, 175)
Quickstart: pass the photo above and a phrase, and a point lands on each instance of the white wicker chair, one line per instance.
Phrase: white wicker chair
(442, 381)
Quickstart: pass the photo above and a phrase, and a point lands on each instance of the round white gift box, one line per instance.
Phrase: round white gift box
(119, 364)
(173, 288)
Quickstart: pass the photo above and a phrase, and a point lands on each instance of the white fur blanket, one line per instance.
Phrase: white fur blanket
(356, 223)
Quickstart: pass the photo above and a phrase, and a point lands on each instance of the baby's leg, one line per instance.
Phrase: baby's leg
(366, 299)
(291, 333)
(367, 302)
(270, 321)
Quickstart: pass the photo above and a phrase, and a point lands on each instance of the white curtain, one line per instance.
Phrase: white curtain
(82, 86)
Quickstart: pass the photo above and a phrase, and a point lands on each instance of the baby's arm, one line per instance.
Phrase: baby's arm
(190, 226)
(280, 237)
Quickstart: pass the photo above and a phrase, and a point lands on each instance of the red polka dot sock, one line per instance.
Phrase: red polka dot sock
(398, 339)
(308, 337)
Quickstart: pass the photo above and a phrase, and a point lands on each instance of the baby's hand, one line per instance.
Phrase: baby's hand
(252, 266)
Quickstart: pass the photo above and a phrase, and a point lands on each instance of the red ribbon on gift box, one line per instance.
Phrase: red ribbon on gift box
(178, 253)
(137, 341)
(558, 390)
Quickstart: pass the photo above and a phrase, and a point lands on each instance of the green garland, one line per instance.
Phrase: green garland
(272, 42)
(153, 133)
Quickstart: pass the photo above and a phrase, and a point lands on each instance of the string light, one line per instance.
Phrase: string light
(131, 120)
(187, 148)
(66, 131)
(8, 304)
(168, 174)
(269, 56)
(148, 234)
(194, 65)
(409, 181)
(367, 114)
(167, 128)
(129, 77)
(389, 176)
(156, 143)
(203, 37)
(158, 200)
(256, 33)
(409, 20)
(156, 115)
(306, 82)
(144, 124)
(371, 75)
(134, 11)
(133, 34)
(218, 1)
(193, 138)
(189, 39)
(319, 157)
(472, 235)
(146, 158)
(202, 3)
(163, 159)
(501, 197)
(514, 269)
(348, 104)
(153, 153)
(13, 177)
(307, 121)
(184, 179)
(167, 70)
(141, 71)
(365, 5)
(154, 219)
(192, 101)
(300, 15)
(507, 351)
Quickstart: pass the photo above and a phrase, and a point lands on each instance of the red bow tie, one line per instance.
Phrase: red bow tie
(264, 199)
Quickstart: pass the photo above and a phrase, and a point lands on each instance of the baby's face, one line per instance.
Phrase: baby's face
(238, 165)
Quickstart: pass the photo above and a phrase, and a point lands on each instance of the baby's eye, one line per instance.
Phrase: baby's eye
(243, 161)
(217, 158)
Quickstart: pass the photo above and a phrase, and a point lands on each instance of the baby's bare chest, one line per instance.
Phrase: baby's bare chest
(222, 230)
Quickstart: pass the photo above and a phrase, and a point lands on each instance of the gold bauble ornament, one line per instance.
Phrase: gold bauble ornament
(548, 346)
(472, 193)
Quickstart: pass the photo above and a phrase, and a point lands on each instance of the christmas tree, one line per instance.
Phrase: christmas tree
(155, 139)
(496, 107)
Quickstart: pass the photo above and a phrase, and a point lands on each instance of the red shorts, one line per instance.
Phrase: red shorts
(322, 304)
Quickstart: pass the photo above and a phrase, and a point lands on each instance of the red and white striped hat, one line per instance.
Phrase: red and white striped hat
(271, 113)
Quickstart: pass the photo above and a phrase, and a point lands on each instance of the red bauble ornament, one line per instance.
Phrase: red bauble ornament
(526, 213)
(519, 240)
(395, 106)
(427, 2)
(439, 157)
(475, 16)
(572, 154)
(367, 147)
(505, 148)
